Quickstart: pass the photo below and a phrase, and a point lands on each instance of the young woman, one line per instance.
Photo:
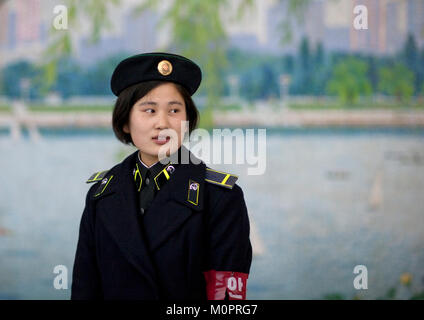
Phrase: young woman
(160, 224)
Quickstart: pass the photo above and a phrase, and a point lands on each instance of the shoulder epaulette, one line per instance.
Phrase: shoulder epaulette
(97, 176)
(220, 178)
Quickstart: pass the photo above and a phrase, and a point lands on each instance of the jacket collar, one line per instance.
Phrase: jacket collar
(184, 182)
(159, 173)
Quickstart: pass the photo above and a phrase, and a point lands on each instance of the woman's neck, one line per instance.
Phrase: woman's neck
(147, 160)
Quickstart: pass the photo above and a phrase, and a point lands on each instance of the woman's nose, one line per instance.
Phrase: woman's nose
(162, 121)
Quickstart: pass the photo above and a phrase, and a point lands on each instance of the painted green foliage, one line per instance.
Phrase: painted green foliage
(397, 81)
(349, 80)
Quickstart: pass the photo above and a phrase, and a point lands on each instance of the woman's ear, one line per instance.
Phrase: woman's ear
(126, 129)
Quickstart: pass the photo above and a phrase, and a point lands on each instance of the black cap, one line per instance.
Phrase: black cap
(156, 66)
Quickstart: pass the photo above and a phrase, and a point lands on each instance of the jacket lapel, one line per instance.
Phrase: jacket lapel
(118, 211)
(175, 202)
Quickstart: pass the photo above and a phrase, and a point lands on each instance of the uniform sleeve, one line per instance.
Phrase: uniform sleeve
(229, 249)
(86, 283)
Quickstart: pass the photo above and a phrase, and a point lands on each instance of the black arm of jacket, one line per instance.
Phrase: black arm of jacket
(86, 283)
(229, 247)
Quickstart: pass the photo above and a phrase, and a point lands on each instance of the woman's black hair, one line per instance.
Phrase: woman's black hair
(128, 97)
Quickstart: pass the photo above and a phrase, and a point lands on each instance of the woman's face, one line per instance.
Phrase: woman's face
(155, 123)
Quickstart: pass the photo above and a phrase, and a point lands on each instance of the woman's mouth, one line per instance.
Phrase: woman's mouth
(161, 139)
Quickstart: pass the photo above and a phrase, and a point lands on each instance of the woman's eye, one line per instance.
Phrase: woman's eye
(174, 110)
(149, 110)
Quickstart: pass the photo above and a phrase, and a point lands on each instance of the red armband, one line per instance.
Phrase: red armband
(220, 282)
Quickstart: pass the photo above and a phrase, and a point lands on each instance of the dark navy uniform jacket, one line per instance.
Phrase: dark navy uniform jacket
(164, 254)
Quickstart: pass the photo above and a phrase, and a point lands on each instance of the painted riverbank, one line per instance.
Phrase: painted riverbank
(265, 118)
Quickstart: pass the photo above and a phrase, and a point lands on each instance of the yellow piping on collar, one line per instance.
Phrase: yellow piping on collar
(135, 177)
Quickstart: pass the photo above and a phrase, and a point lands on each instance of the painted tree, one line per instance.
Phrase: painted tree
(349, 80)
(305, 66)
(410, 55)
(319, 70)
(397, 81)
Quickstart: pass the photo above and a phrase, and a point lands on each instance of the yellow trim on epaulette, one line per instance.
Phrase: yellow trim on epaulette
(226, 178)
(221, 181)
(99, 193)
(98, 176)
(219, 171)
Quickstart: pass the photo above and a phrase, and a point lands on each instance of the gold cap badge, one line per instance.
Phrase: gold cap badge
(165, 67)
